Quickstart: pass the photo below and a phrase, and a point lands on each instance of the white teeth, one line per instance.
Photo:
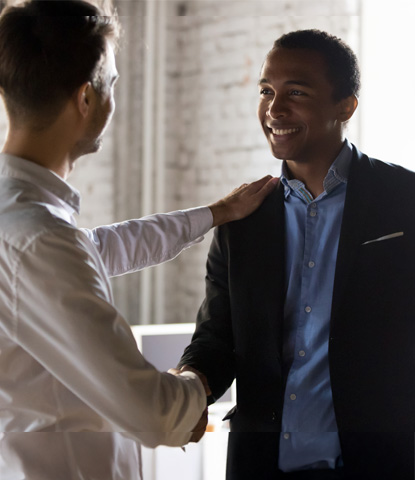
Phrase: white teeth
(284, 132)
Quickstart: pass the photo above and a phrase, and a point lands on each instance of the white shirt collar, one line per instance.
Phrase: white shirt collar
(68, 197)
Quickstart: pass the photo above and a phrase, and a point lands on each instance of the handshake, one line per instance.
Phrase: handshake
(200, 428)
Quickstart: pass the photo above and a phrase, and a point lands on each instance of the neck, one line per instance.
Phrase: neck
(51, 147)
(47, 148)
(312, 172)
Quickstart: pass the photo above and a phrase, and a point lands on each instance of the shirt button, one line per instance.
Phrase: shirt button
(293, 396)
(286, 436)
(311, 264)
(307, 309)
(301, 353)
(313, 205)
(313, 213)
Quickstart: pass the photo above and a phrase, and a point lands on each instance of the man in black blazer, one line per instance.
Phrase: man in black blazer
(310, 301)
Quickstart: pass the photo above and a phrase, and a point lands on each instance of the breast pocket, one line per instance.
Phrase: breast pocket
(384, 271)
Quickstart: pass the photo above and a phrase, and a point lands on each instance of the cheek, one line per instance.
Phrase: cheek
(261, 112)
(109, 108)
(112, 103)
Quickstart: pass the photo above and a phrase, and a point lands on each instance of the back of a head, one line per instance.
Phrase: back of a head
(342, 65)
(48, 49)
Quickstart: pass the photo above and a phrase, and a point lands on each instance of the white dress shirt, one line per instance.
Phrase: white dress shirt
(71, 376)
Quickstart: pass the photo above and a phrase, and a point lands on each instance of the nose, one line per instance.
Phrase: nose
(277, 107)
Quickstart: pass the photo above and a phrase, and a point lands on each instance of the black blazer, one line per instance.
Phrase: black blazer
(372, 331)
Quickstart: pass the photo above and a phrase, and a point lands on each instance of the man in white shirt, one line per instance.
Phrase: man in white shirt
(76, 396)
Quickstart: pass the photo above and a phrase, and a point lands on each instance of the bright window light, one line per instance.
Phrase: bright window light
(387, 99)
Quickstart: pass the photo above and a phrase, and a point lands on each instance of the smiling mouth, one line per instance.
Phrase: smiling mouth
(284, 131)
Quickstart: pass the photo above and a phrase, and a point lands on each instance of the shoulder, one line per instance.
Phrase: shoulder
(25, 226)
(379, 168)
(380, 179)
(35, 230)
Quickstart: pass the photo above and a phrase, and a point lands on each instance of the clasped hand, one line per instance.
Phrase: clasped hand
(200, 428)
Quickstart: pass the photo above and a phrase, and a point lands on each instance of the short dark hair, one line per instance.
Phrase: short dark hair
(343, 68)
(48, 49)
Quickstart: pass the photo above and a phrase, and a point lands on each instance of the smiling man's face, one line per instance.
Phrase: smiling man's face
(297, 111)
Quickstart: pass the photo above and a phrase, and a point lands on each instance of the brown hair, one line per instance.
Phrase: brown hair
(48, 49)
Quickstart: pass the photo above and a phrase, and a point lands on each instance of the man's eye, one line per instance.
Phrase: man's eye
(296, 92)
(265, 91)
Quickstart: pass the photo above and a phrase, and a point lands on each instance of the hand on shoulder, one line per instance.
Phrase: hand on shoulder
(242, 201)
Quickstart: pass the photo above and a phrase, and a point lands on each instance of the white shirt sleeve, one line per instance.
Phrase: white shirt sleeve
(135, 244)
(62, 316)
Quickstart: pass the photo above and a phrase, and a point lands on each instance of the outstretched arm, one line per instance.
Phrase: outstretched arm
(136, 244)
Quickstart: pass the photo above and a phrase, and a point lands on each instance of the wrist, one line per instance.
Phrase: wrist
(220, 214)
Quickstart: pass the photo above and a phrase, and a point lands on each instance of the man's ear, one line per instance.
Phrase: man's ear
(347, 107)
(83, 98)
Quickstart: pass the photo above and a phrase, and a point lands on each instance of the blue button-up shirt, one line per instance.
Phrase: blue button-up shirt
(309, 437)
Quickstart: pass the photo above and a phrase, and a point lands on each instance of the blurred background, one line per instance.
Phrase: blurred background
(185, 132)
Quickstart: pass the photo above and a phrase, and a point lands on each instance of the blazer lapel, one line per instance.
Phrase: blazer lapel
(350, 232)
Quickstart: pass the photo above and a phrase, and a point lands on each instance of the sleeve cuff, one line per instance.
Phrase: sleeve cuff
(200, 221)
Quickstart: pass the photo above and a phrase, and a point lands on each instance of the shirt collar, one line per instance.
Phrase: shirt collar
(337, 174)
(19, 168)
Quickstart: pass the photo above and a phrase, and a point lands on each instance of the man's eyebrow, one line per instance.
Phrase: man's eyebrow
(301, 83)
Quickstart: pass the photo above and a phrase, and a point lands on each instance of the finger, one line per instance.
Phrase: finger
(238, 189)
(256, 186)
(196, 436)
(202, 377)
(208, 391)
(200, 429)
(268, 186)
(205, 386)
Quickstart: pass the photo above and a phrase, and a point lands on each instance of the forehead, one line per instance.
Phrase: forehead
(308, 66)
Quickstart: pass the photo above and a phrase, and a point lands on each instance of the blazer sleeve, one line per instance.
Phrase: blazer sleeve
(211, 350)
